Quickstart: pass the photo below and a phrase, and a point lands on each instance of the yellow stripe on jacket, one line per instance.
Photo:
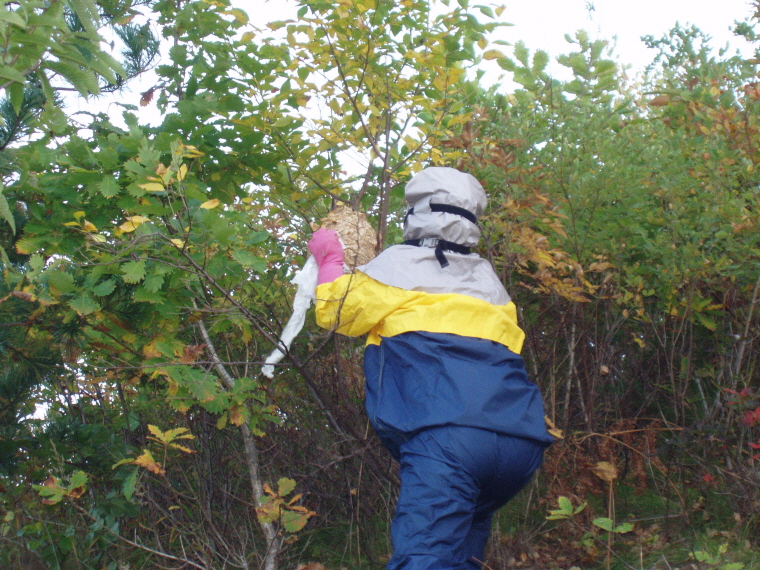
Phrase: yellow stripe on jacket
(368, 306)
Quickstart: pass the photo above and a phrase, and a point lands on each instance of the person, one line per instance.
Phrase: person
(446, 389)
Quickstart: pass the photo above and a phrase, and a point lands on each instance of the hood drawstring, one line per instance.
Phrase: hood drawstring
(442, 245)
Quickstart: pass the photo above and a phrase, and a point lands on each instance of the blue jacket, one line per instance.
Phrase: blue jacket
(435, 359)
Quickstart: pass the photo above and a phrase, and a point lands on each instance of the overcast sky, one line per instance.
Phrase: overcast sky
(542, 24)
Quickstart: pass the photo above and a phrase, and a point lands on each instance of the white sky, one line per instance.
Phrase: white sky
(542, 24)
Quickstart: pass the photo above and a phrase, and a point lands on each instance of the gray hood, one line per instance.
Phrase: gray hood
(448, 186)
(416, 268)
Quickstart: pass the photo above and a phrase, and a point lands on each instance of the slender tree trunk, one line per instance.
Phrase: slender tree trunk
(273, 538)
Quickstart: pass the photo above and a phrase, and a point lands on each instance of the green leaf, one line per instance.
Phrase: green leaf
(522, 53)
(623, 528)
(5, 211)
(704, 556)
(36, 264)
(108, 186)
(82, 80)
(604, 523)
(565, 505)
(285, 486)
(112, 63)
(487, 11)
(61, 281)
(78, 479)
(294, 521)
(16, 95)
(153, 283)
(247, 259)
(255, 238)
(540, 61)
(11, 17)
(84, 304)
(128, 487)
(87, 13)
(9, 73)
(104, 288)
(133, 271)
(706, 321)
(167, 349)
(142, 295)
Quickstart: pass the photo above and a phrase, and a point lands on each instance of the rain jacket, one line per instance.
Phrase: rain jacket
(443, 341)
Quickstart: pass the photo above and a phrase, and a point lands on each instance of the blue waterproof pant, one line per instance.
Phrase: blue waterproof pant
(452, 481)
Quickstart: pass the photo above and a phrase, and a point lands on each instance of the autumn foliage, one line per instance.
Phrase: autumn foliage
(146, 275)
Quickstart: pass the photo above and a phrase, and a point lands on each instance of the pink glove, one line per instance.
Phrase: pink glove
(328, 253)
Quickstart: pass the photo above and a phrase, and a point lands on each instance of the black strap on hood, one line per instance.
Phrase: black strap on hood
(448, 208)
(440, 246)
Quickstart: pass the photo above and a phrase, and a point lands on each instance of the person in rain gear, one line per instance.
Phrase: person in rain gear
(446, 389)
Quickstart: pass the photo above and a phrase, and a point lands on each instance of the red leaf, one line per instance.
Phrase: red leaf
(751, 418)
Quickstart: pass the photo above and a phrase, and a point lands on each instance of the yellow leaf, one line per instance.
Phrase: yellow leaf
(150, 351)
(492, 54)
(125, 20)
(178, 433)
(237, 415)
(190, 151)
(152, 187)
(500, 10)
(132, 223)
(552, 429)
(156, 431)
(182, 172)
(240, 16)
(89, 226)
(210, 204)
(606, 471)
(146, 460)
(181, 448)
(482, 43)
(247, 37)
(556, 433)
(78, 215)
(178, 242)
(71, 224)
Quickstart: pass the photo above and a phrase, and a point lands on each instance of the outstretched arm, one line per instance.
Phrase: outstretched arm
(327, 250)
